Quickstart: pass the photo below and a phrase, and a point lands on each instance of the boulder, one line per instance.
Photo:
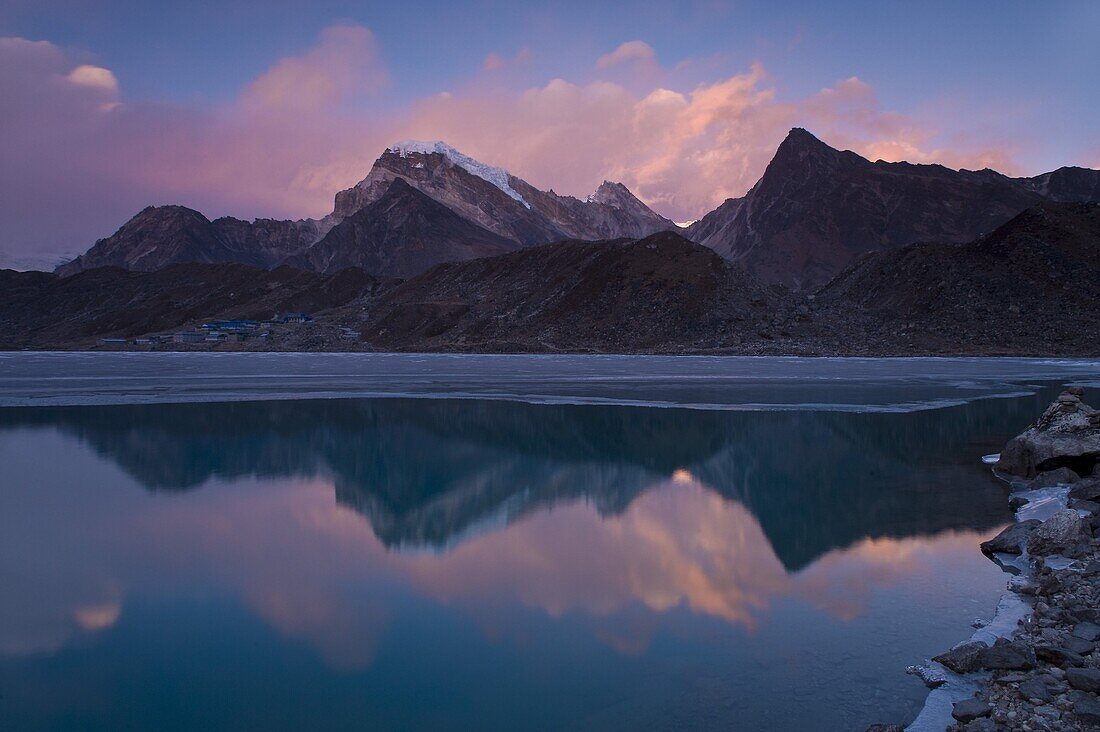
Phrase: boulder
(1008, 655)
(1086, 631)
(1051, 478)
(1067, 435)
(968, 710)
(1012, 539)
(1085, 679)
(1086, 489)
(1063, 533)
(1086, 706)
(1087, 506)
(1059, 656)
(1035, 689)
(1080, 646)
(963, 658)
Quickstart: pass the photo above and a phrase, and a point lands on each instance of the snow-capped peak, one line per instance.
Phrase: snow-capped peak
(497, 176)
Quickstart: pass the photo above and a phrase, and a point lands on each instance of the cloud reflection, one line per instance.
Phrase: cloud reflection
(315, 571)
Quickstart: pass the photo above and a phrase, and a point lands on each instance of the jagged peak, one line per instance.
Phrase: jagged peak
(802, 150)
(799, 140)
(498, 176)
(610, 193)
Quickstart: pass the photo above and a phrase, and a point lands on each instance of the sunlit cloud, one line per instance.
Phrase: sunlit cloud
(626, 52)
(95, 76)
(314, 122)
(98, 617)
(343, 65)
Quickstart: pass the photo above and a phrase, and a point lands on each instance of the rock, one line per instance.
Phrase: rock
(886, 728)
(982, 724)
(1051, 478)
(1008, 655)
(970, 709)
(1012, 677)
(1035, 689)
(1086, 489)
(1086, 706)
(1066, 435)
(932, 676)
(1088, 506)
(1063, 533)
(963, 658)
(1012, 539)
(1077, 645)
(1059, 656)
(1086, 631)
(1085, 679)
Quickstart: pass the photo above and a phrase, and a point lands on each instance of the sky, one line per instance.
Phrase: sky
(266, 109)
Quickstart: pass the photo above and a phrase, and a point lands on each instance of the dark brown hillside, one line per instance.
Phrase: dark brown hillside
(1030, 286)
(657, 293)
(43, 310)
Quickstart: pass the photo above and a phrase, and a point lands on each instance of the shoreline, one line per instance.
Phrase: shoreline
(806, 351)
(1036, 664)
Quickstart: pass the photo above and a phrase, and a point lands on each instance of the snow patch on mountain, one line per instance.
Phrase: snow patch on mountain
(497, 176)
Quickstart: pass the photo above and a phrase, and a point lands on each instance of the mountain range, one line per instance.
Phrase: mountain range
(421, 204)
(1029, 287)
(828, 253)
(814, 211)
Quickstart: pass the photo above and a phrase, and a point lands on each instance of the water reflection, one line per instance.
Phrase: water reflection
(571, 554)
(427, 473)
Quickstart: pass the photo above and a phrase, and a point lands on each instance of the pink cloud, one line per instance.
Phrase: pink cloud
(343, 65)
(70, 138)
(311, 125)
(683, 152)
(493, 62)
(626, 52)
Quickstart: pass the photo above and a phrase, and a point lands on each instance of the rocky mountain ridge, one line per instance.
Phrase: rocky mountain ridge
(502, 212)
(1034, 280)
(816, 209)
(1030, 287)
(500, 202)
(401, 234)
(159, 236)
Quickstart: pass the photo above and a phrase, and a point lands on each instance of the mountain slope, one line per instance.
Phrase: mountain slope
(1032, 285)
(401, 234)
(43, 310)
(162, 235)
(496, 206)
(816, 209)
(661, 292)
(500, 202)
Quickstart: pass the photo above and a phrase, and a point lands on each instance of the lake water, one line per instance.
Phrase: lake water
(444, 542)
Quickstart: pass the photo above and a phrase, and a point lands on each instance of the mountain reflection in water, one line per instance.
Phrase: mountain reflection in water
(425, 473)
(624, 526)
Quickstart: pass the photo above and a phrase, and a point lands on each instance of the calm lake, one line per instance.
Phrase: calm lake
(195, 541)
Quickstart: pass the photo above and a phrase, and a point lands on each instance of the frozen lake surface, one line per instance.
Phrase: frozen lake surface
(765, 383)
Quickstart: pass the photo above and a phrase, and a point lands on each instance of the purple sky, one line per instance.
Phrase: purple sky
(268, 108)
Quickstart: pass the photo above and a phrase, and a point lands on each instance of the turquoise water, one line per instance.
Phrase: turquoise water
(399, 563)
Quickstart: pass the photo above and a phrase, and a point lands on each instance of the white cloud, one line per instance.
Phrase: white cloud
(94, 76)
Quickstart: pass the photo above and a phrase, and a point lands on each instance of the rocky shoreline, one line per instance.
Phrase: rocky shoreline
(1037, 665)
